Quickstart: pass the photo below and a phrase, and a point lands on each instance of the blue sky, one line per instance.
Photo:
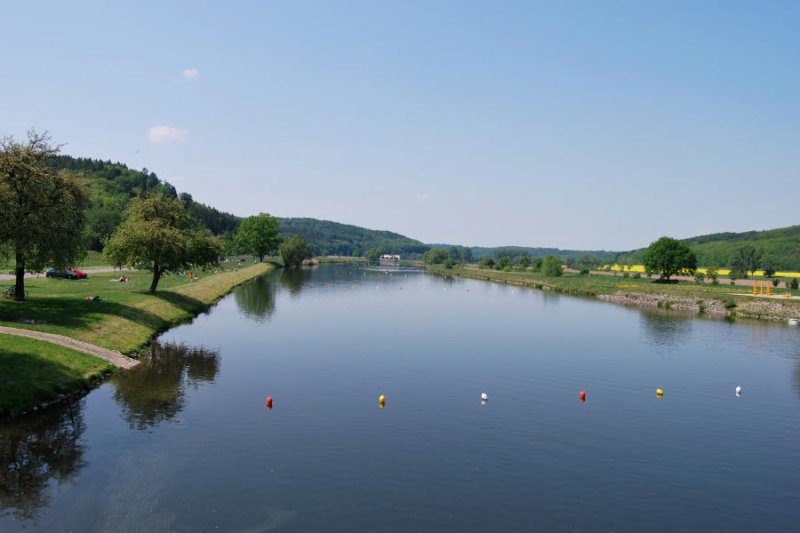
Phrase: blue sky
(591, 125)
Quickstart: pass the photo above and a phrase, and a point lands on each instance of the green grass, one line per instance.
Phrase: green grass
(596, 285)
(127, 317)
(33, 371)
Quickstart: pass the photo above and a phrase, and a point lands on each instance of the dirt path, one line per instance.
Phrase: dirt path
(115, 358)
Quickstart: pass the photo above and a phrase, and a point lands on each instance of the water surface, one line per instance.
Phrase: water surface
(185, 443)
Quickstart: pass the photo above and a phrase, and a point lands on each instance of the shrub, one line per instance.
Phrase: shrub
(775, 282)
(699, 277)
(637, 275)
(730, 304)
(626, 275)
(793, 284)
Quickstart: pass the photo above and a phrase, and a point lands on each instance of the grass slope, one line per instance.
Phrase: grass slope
(34, 371)
(127, 317)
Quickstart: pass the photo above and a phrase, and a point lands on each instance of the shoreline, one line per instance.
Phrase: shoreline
(126, 328)
(713, 300)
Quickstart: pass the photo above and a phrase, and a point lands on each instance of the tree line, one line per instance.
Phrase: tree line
(46, 213)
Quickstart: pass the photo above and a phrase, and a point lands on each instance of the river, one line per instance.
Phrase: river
(186, 443)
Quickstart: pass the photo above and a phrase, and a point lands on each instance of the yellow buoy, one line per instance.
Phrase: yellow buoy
(381, 400)
(659, 393)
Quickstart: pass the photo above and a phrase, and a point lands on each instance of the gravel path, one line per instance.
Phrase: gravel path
(115, 358)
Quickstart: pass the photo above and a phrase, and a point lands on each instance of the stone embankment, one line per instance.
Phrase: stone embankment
(763, 309)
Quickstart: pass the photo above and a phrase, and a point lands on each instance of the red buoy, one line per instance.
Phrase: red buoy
(269, 402)
(583, 395)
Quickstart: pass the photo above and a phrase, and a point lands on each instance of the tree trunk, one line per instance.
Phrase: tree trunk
(156, 278)
(19, 288)
(261, 258)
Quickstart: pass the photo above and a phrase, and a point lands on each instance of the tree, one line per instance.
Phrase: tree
(486, 263)
(746, 259)
(258, 235)
(294, 251)
(373, 254)
(158, 234)
(435, 256)
(467, 255)
(552, 266)
(43, 212)
(668, 256)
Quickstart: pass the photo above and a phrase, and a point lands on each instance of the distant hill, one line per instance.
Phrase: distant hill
(112, 185)
(333, 238)
(780, 248)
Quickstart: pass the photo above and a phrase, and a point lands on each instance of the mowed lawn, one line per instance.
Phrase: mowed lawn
(34, 371)
(126, 317)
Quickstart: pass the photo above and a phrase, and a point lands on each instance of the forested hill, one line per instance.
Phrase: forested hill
(779, 248)
(333, 238)
(112, 185)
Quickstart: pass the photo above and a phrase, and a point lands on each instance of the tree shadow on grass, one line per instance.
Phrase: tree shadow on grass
(72, 313)
(181, 301)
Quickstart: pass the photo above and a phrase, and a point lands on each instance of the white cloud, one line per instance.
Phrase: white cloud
(191, 73)
(424, 197)
(166, 134)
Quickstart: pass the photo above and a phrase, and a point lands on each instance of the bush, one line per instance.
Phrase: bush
(637, 275)
(775, 282)
(699, 277)
(793, 284)
(486, 263)
(626, 274)
(730, 304)
(449, 263)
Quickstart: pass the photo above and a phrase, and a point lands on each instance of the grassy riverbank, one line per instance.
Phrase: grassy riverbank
(125, 319)
(35, 371)
(724, 300)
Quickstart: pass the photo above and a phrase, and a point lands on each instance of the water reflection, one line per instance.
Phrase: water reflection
(293, 279)
(666, 328)
(256, 300)
(154, 392)
(35, 452)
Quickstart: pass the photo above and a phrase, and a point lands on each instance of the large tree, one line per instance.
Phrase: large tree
(668, 256)
(158, 234)
(258, 235)
(42, 212)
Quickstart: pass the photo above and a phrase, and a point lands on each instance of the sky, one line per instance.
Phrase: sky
(575, 124)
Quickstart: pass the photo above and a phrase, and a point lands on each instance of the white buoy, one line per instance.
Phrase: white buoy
(738, 390)
(484, 397)
(792, 321)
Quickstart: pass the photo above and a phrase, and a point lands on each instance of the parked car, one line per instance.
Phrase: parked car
(81, 274)
(56, 273)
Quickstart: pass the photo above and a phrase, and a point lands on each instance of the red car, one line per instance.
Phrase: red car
(80, 273)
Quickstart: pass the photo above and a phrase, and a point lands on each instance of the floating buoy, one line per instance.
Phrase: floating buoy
(792, 321)
(484, 397)
(381, 400)
(583, 395)
(269, 402)
(659, 393)
(738, 390)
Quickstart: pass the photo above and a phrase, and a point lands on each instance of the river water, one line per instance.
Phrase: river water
(186, 443)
